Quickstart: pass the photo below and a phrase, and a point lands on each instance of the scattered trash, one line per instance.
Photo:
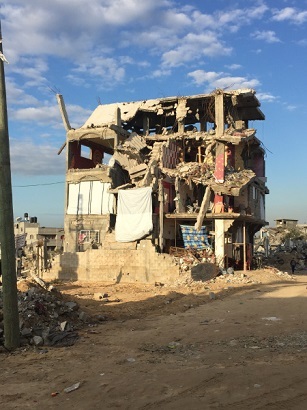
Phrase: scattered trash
(271, 318)
(55, 393)
(72, 388)
(173, 345)
(63, 326)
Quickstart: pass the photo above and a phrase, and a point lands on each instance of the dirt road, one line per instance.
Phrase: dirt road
(227, 344)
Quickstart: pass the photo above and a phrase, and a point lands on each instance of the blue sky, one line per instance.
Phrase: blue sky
(106, 51)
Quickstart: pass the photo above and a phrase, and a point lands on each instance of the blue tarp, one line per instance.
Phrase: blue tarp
(193, 238)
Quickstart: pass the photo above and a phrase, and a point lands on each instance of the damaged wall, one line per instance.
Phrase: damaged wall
(125, 263)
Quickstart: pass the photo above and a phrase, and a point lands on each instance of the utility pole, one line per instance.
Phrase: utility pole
(7, 240)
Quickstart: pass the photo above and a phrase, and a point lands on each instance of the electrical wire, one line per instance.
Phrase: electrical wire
(49, 183)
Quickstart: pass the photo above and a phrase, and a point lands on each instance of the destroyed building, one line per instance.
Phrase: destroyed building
(147, 179)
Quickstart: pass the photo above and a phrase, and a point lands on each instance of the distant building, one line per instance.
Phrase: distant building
(51, 238)
(286, 223)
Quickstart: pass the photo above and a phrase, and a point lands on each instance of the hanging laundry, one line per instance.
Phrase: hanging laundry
(134, 214)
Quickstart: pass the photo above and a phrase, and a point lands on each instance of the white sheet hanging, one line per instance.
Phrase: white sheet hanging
(107, 200)
(84, 198)
(90, 198)
(96, 198)
(73, 197)
(134, 214)
(102, 202)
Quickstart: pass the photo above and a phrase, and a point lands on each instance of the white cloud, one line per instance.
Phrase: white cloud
(291, 107)
(49, 115)
(160, 73)
(302, 42)
(16, 95)
(232, 18)
(193, 47)
(77, 115)
(201, 77)
(108, 70)
(176, 20)
(234, 66)
(45, 115)
(268, 36)
(72, 29)
(258, 11)
(214, 80)
(156, 39)
(267, 97)
(79, 32)
(290, 14)
(30, 158)
(204, 21)
(33, 69)
(229, 82)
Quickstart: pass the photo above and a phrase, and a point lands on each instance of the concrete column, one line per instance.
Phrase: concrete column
(219, 243)
(244, 248)
(145, 125)
(219, 113)
(161, 215)
(118, 117)
(221, 227)
(181, 113)
(219, 131)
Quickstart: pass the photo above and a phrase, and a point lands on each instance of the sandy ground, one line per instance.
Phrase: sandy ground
(238, 343)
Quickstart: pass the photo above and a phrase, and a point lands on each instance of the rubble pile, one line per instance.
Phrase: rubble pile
(204, 174)
(46, 318)
(283, 274)
(204, 272)
(194, 170)
(281, 259)
(189, 257)
(234, 278)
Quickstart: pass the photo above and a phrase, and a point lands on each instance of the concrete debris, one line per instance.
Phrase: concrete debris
(46, 318)
(212, 295)
(98, 296)
(227, 278)
(38, 341)
(204, 174)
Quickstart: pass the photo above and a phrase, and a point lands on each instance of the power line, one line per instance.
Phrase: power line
(50, 183)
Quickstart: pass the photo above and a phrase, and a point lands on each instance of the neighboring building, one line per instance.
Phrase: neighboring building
(53, 237)
(182, 170)
(34, 235)
(286, 236)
